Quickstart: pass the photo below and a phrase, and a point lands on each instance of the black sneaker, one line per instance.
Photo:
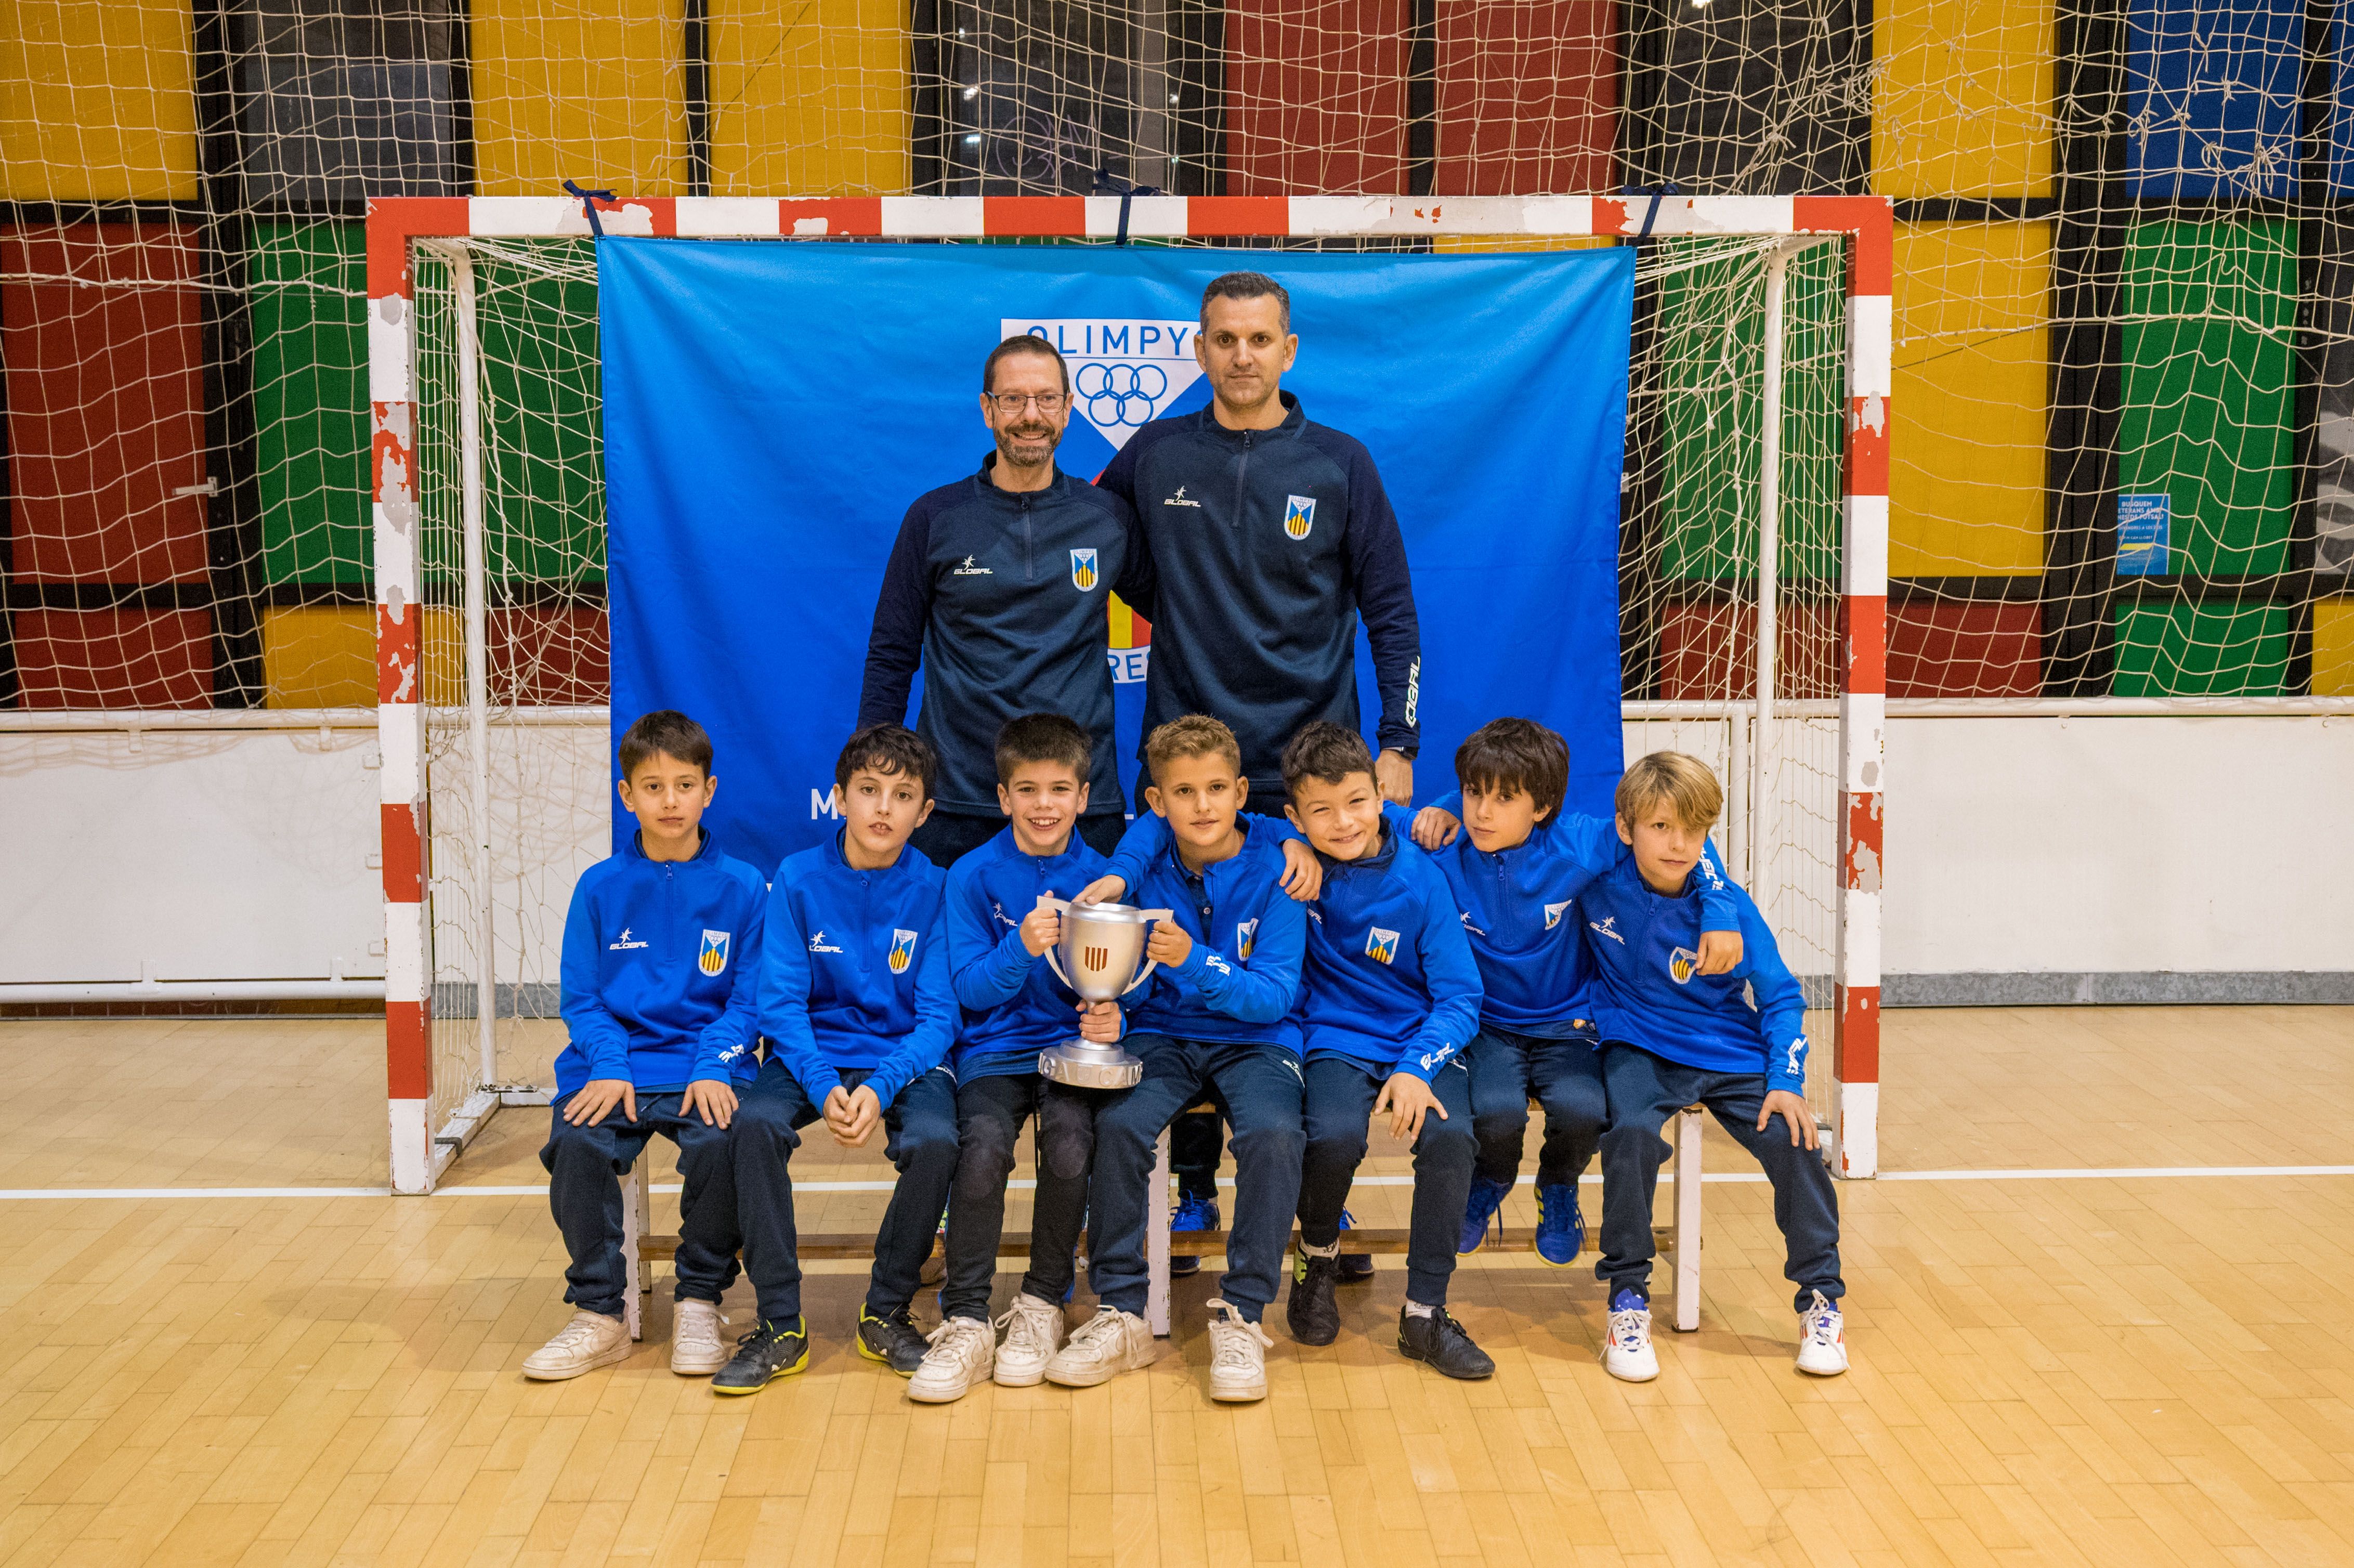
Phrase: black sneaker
(769, 1352)
(1441, 1341)
(1314, 1314)
(895, 1341)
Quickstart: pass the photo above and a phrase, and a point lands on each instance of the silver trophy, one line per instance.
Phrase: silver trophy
(1101, 956)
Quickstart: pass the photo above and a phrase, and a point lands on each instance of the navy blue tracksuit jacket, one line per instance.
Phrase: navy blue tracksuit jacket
(1003, 597)
(1267, 545)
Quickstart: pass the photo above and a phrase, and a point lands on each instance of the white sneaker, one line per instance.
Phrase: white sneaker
(1626, 1354)
(1238, 1356)
(1822, 1339)
(962, 1348)
(1033, 1332)
(590, 1340)
(1100, 1349)
(696, 1346)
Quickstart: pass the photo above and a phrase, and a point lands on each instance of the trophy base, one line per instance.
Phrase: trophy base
(1084, 1066)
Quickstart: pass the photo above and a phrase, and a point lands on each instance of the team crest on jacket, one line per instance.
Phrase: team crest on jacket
(1381, 946)
(1683, 964)
(903, 950)
(1246, 938)
(1553, 912)
(713, 957)
(1083, 569)
(1298, 515)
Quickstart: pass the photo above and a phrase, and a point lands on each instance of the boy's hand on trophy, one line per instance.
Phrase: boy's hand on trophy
(1099, 1022)
(1042, 928)
(1101, 888)
(1303, 873)
(1169, 945)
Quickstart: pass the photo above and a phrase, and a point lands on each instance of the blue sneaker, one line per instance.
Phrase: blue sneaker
(1193, 1215)
(1356, 1267)
(1560, 1228)
(1480, 1214)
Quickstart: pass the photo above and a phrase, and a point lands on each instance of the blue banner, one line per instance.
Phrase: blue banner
(771, 409)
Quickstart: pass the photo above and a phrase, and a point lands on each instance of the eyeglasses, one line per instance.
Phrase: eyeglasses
(1012, 402)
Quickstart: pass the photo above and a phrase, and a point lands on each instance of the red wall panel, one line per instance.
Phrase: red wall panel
(105, 402)
(551, 658)
(1709, 650)
(1528, 96)
(114, 658)
(1315, 96)
(1962, 649)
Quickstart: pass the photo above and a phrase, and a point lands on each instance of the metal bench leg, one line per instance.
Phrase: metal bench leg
(637, 1280)
(1688, 1219)
(1156, 1242)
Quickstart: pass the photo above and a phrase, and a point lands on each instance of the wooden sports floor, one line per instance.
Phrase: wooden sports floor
(2051, 1367)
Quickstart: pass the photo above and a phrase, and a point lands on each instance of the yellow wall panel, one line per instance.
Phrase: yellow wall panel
(323, 656)
(1962, 97)
(2333, 648)
(97, 102)
(809, 99)
(1965, 470)
(579, 90)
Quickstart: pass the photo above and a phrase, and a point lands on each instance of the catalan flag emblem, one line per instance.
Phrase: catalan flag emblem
(1298, 515)
(1683, 964)
(1246, 938)
(713, 957)
(1381, 946)
(903, 951)
(1083, 569)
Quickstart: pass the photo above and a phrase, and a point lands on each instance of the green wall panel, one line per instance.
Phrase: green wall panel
(310, 394)
(2186, 651)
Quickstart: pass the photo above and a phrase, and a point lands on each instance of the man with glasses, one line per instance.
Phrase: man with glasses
(997, 586)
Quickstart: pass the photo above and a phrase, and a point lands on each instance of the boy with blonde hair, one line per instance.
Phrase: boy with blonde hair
(1673, 1036)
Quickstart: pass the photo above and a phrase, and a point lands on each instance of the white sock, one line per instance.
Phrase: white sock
(1333, 1251)
(1416, 1309)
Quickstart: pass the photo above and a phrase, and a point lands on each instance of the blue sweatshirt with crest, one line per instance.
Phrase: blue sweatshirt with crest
(652, 952)
(1389, 983)
(1519, 910)
(855, 972)
(1239, 982)
(1013, 1005)
(1650, 993)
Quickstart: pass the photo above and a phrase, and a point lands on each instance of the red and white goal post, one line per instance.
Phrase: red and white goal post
(430, 1122)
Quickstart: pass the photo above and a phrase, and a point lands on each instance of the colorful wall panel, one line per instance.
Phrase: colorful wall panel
(1315, 96)
(97, 100)
(581, 90)
(1528, 98)
(1960, 90)
(810, 100)
(2213, 96)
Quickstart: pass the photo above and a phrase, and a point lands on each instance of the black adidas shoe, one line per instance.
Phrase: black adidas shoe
(769, 1352)
(1441, 1341)
(895, 1341)
(1314, 1316)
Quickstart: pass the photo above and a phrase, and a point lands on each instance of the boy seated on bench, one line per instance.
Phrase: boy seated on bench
(1014, 1007)
(1673, 1036)
(660, 1033)
(1389, 996)
(855, 1004)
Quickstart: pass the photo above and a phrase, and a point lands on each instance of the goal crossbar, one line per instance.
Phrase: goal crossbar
(398, 226)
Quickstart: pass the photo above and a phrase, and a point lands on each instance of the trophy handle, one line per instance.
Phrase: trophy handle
(1157, 916)
(1060, 907)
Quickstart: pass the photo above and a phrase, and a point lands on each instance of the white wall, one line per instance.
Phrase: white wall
(2015, 846)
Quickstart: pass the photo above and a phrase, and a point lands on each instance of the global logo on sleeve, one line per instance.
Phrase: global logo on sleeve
(1553, 912)
(626, 944)
(1125, 372)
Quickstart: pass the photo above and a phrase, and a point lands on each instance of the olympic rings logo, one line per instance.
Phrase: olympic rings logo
(1121, 394)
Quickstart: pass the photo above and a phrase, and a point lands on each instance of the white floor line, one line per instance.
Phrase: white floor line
(1741, 1178)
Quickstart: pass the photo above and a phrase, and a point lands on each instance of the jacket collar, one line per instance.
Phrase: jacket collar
(1295, 419)
(707, 850)
(985, 488)
(1010, 848)
(1380, 861)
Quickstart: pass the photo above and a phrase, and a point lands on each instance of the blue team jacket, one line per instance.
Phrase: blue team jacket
(1014, 1007)
(855, 974)
(1240, 981)
(1650, 993)
(1519, 910)
(1388, 964)
(652, 953)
